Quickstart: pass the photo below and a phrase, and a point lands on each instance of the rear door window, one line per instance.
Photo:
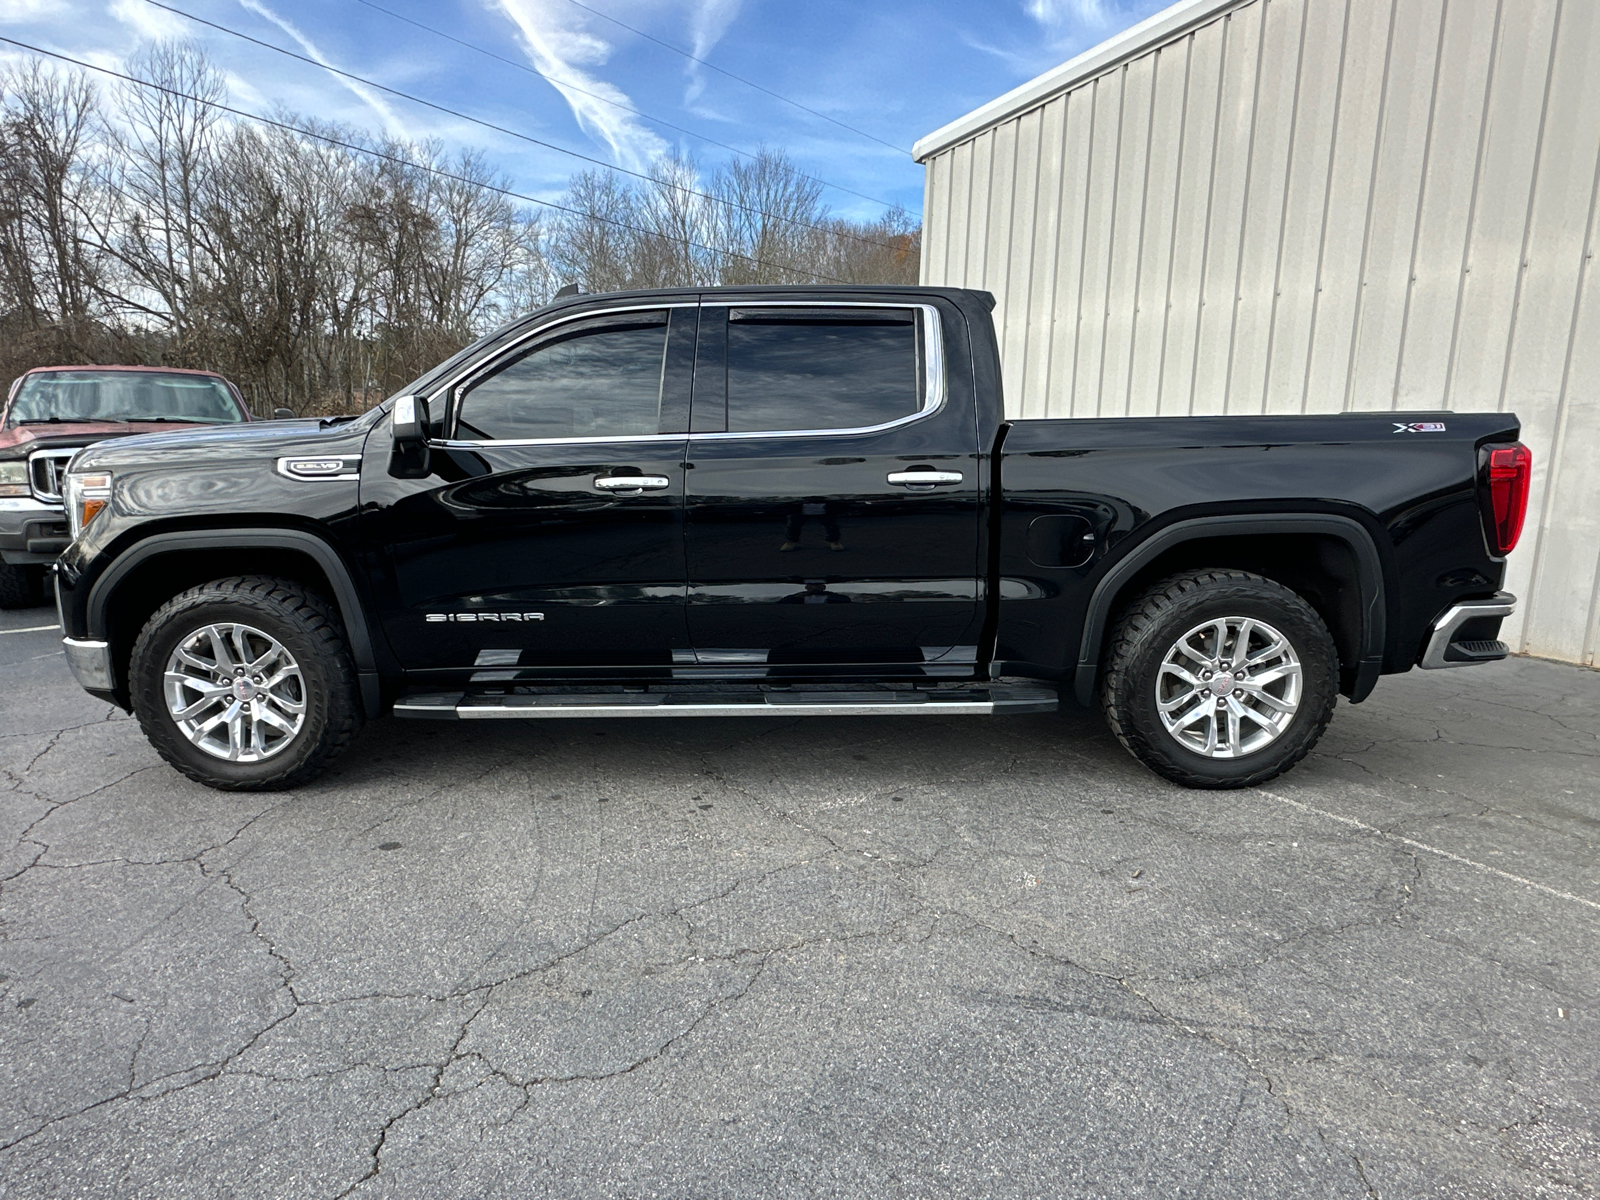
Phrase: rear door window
(821, 368)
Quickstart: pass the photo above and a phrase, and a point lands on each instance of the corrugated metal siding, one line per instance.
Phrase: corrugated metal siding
(1316, 206)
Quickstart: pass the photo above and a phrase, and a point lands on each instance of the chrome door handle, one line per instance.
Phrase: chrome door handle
(925, 478)
(632, 483)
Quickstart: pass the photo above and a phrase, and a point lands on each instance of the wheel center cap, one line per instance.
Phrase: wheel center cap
(1221, 684)
(244, 689)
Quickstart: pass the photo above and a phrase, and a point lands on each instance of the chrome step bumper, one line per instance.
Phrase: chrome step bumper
(1445, 650)
(521, 706)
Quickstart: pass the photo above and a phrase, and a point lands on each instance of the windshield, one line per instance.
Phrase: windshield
(123, 396)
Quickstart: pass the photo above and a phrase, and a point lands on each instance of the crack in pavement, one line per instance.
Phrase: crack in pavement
(451, 1067)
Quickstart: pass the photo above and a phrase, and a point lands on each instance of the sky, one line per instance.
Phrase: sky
(845, 87)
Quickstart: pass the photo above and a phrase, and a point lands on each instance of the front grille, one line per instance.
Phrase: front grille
(47, 469)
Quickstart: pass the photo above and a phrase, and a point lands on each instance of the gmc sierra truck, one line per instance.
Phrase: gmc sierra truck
(775, 502)
(53, 412)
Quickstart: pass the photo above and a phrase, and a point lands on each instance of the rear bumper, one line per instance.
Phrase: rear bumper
(1448, 648)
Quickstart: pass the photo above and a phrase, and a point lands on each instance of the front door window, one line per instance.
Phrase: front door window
(594, 379)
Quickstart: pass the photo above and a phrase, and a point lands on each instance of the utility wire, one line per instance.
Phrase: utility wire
(564, 85)
(601, 163)
(397, 160)
(739, 78)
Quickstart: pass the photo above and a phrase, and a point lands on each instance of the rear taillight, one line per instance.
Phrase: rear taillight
(1506, 473)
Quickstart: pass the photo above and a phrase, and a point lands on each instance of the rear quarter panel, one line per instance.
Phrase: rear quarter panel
(1414, 492)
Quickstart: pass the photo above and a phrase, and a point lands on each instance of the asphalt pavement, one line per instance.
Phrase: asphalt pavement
(902, 957)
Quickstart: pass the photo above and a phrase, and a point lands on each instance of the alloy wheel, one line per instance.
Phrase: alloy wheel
(1228, 687)
(235, 692)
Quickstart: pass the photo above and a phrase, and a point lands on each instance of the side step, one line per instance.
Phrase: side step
(1475, 652)
(982, 701)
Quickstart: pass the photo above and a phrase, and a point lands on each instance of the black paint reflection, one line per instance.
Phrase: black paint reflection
(816, 592)
(819, 511)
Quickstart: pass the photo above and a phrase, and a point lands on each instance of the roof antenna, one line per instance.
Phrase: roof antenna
(570, 290)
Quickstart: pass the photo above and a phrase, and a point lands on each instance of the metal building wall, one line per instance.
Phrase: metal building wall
(1314, 206)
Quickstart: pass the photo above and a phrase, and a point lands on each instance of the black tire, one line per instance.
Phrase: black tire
(21, 585)
(1151, 627)
(306, 626)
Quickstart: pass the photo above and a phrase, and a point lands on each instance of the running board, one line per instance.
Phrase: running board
(867, 703)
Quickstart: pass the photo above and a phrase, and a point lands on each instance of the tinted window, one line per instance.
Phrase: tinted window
(600, 379)
(828, 371)
(124, 396)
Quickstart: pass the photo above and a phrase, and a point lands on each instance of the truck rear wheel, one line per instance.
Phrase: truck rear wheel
(245, 684)
(21, 585)
(1220, 679)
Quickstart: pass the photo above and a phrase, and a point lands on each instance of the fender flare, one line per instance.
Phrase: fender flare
(318, 549)
(1369, 572)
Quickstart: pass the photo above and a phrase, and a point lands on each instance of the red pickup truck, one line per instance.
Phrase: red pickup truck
(53, 412)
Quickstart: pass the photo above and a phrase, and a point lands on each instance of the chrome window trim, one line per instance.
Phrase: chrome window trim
(933, 368)
(458, 444)
(468, 374)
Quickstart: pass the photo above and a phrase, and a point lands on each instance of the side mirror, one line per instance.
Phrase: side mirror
(410, 417)
(408, 459)
(283, 414)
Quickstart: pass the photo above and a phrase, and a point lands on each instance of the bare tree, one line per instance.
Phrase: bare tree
(164, 149)
(765, 220)
(592, 244)
(48, 194)
(320, 269)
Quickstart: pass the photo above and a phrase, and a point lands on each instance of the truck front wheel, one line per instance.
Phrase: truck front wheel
(245, 684)
(1220, 679)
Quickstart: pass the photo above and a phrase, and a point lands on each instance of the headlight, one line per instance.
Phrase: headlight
(14, 479)
(85, 496)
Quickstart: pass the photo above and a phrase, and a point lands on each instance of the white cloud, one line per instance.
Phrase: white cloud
(149, 22)
(707, 23)
(560, 44)
(21, 12)
(372, 99)
(1053, 14)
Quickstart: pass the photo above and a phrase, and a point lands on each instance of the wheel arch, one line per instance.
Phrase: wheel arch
(1248, 540)
(155, 569)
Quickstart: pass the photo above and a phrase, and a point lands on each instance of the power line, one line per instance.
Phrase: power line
(739, 78)
(405, 162)
(567, 86)
(461, 116)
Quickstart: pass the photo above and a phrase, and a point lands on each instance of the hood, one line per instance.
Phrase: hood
(25, 439)
(209, 443)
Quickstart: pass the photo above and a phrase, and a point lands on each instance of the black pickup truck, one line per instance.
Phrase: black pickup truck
(776, 502)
